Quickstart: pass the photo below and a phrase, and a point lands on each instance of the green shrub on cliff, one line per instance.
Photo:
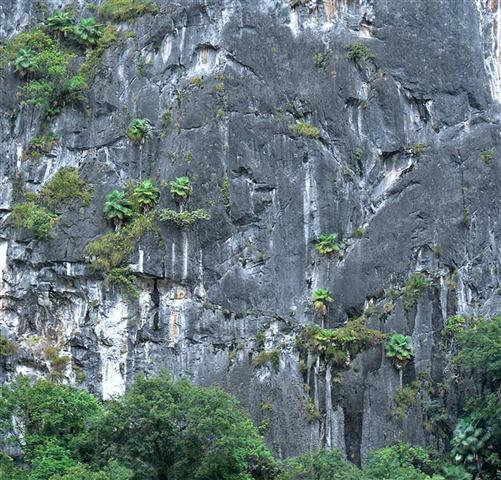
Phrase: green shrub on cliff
(123, 10)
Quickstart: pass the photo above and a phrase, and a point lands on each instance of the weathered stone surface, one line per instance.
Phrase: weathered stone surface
(207, 293)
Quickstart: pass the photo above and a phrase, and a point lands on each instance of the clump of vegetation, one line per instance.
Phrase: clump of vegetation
(145, 196)
(469, 445)
(185, 218)
(327, 244)
(124, 278)
(123, 10)
(487, 156)
(109, 35)
(50, 69)
(415, 287)
(62, 22)
(225, 192)
(65, 187)
(7, 347)
(455, 325)
(42, 145)
(339, 346)
(65, 433)
(399, 348)
(359, 232)
(321, 59)
(358, 51)
(197, 82)
(113, 248)
(418, 149)
(304, 129)
(35, 218)
(321, 299)
(139, 130)
(406, 397)
(117, 208)
(87, 32)
(181, 189)
(272, 357)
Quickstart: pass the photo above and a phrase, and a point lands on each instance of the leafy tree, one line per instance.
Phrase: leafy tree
(321, 299)
(402, 462)
(117, 208)
(139, 130)
(181, 189)
(399, 348)
(327, 244)
(164, 428)
(145, 195)
(320, 465)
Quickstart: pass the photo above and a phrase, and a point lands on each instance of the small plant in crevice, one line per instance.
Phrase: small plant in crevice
(271, 357)
(226, 193)
(41, 145)
(140, 129)
(327, 244)
(124, 278)
(487, 156)
(357, 154)
(321, 300)
(304, 129)
(117, 208)
(407, 396)
(418, 149)
(7, 347)
(359, 232)
(414, 288)
(400, 349)
(321, 59)
(358, 51)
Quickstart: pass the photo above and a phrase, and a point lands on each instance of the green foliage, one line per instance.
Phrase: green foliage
(415, 287)
(181, 188)
(406, 397)
(304, 129)
(65, 187)
(94, 56)
(455, 325)
(418, 149)
(358, 51)
(42, 145)
(166, 118)
(468, 445)
(123, 278)
(7, 347)
(38, 220)
(359, 232)
(145, 196)
(197, 82)
(327, 244)
(123, 10)
(117, 208)
(113, 248)
(139, 130)
(402, 462)
(320, 465)
(339, 346)
(487, 156)
(87, 32)
(186, 218)
(61, 21)
(321, 59)
(164, 428)
(272, 357)
(225, 192)
(321, 299)
(399, 348)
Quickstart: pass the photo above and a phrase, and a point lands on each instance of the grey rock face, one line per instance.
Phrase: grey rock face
(208, 294)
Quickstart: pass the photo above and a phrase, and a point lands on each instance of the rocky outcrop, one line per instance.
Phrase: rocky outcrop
(396, 171)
